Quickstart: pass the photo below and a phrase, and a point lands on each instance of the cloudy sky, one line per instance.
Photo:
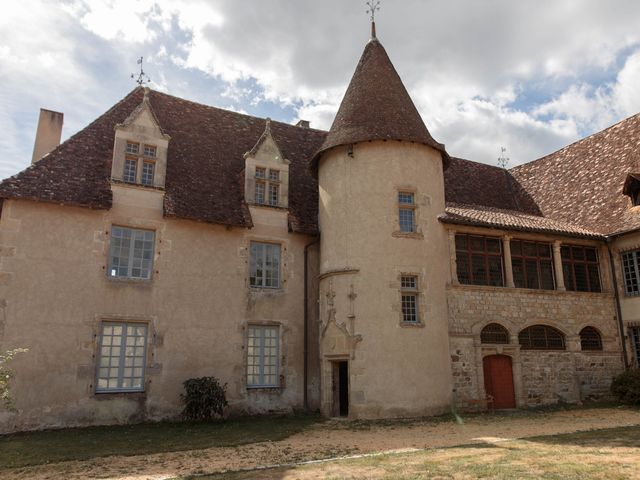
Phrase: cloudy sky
(532, 76)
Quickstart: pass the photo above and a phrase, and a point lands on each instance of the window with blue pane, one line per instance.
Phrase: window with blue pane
(406, 212)
(263, 345)
(264, 265)
(121, 357)
(131, 253)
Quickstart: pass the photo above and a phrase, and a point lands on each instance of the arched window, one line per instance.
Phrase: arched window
(590, 339)
(494, 333)
(541, 337)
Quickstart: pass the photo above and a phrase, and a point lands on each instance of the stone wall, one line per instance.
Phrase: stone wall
(197, 305)
(540, 377)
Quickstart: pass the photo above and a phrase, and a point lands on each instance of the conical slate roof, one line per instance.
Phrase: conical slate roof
(377, 106)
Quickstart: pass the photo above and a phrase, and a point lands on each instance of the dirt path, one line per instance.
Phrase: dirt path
(333, 439)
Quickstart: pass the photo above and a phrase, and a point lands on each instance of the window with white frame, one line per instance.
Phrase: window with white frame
(132, 148)
(406, 212)
(263, 346)
(130, 170)
(149, 151)
(139, 160)
(267, 189)
(131, 253)
(409, 298)
(631, 271)
(264, 265)
(148, 169)
(121, 357)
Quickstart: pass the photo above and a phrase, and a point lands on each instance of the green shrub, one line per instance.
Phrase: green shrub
(626, 387)
(6, 374)
(204, 399)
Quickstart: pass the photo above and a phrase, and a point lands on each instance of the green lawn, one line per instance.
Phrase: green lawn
(50, 446)
(598, 454)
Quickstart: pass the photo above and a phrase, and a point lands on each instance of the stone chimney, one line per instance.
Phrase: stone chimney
(48, 133)
(303, 123)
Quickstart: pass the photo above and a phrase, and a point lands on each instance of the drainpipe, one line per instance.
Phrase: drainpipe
(618, 308)
(306, 323)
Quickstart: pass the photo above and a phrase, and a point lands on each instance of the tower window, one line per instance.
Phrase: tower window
(406, 212)
(409, 298)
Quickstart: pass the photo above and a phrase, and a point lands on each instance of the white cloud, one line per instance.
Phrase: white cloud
(470, 67)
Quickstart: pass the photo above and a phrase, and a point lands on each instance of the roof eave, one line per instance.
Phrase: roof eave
(472, 223)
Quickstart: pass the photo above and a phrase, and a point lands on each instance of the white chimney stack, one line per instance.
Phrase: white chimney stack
(48, 133)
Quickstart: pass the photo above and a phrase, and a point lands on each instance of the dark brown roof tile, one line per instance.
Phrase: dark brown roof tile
(376, 106)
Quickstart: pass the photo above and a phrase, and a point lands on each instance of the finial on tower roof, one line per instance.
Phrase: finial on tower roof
(374, 6)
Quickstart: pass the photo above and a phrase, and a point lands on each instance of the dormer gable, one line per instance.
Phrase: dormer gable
(632, 188)
(266, 179)
(140, 148)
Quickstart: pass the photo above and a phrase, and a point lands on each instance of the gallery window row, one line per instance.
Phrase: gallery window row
(541, 337)
(481, 260)
(122, 352)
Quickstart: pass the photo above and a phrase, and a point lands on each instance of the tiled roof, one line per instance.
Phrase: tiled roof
(582, 183)
(575, 191)
(473, 183)
(376, 106)
(204, 179)
(482, 216)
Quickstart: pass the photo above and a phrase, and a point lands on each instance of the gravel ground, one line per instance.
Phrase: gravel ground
(335, 438)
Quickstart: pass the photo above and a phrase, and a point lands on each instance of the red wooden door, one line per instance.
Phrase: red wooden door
(498, 381)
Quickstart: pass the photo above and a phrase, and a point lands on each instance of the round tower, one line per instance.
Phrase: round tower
(384, 259)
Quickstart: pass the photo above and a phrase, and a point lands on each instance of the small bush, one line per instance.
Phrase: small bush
(204, 399)
(626, 387)
(6, 374)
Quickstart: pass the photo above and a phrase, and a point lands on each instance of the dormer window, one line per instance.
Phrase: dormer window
(266, 179)
(145, 164)
(140, 148)
(632, 188)
(267, 186)
(150, 151)
(147, 173)
(133, 148)
(130, 170)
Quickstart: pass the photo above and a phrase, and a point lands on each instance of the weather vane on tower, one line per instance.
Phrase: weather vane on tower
(374, 6)
(142, 77)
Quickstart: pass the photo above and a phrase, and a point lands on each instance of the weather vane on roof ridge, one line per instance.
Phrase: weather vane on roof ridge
(142, 77)
(374, 6)
(503, 160)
